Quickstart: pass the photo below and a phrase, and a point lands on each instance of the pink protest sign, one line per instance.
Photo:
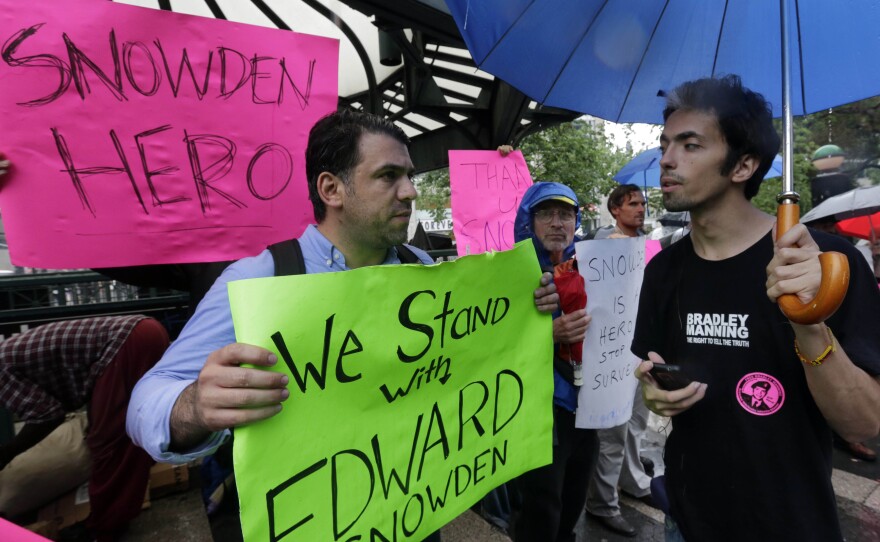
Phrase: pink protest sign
(10, 532)
(486, 191)
(140, 136)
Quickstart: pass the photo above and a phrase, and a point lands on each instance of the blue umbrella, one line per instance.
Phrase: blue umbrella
(644, 169)
(609, 58)
(612, 59)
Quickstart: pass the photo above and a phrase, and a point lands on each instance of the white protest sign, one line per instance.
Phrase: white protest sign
(613, 270)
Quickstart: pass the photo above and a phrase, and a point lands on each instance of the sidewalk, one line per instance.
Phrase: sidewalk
(181, 517)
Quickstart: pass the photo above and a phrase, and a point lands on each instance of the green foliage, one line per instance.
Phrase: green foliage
(577, 154)
(434, 192)
(804, 147)
(854, 127)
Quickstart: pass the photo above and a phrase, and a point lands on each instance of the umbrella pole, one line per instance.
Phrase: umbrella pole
(788, 213)
(835, 267)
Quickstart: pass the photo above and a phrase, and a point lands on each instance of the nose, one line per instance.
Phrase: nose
(666, 159)
(407, 190)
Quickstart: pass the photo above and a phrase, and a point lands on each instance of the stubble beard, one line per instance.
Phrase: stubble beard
(675, 204)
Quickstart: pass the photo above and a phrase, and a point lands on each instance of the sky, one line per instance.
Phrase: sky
(643, 136)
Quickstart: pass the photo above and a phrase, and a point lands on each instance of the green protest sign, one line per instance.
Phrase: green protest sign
(414, 390)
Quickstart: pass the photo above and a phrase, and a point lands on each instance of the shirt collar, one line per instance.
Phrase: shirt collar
(331, 258)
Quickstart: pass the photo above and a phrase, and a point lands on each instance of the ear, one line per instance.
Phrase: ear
(745, 168)
(614, 212)
(330, 189)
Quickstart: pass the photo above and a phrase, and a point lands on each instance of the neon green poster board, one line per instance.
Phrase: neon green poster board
(414, 390)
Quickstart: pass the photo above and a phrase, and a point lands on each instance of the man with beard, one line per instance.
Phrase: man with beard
(708, 304)
(626, 203)
(359, 174)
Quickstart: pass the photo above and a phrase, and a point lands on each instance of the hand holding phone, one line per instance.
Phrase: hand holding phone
(669, 377)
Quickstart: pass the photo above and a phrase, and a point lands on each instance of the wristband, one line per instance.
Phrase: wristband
(821, 359)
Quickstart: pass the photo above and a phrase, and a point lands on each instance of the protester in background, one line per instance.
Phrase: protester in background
(57, 368)
(708, 304)
(359, 174)
(626, 203)
(552, 497)
(619, 461)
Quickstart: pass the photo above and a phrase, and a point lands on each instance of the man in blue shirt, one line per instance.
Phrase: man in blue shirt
(360, 184)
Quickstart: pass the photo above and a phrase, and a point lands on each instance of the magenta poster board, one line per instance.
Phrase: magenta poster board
(10, 532)
(140, 136)
(486, 190)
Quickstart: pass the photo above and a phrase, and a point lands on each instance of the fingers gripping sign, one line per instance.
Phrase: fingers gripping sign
(662, 402)
(227, 395)
(546, 298)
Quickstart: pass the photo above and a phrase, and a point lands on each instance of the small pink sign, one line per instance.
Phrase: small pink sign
(10, 532)
(140, 136)
(486, 190)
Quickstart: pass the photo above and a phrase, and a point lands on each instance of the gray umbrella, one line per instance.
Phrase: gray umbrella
(856, 202)
(677, 219)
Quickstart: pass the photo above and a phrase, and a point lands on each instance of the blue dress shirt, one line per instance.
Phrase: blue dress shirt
(209, 329)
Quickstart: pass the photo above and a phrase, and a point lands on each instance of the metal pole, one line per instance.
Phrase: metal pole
(788, 194)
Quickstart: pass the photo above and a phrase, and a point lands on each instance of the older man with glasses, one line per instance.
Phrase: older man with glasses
(553, 496)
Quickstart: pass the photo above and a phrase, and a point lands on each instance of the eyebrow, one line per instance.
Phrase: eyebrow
(683, 136)
(396, 168)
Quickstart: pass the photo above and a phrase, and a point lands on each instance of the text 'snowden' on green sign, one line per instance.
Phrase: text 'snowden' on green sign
(414, 390)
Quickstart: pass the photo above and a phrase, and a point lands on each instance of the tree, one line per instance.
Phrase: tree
(855, 128)
(434, 192)
(577, 154)
(804, 171)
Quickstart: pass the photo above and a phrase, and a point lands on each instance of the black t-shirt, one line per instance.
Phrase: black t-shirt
(753, 458)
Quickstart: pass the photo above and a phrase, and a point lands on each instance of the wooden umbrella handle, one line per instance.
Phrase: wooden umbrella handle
(835, 278)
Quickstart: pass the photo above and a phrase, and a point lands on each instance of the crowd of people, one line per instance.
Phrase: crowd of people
(764, 405)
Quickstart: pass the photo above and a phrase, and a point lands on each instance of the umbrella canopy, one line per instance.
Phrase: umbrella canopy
(609, 58)
(854, 203)
(644, 169)
(863, 227)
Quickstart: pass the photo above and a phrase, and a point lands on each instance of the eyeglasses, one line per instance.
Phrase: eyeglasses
(545, 216)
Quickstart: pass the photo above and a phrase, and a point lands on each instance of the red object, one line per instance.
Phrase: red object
(572, 297)
(863, 227)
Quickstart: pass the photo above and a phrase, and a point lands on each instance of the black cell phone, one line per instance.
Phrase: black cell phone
(669, 377)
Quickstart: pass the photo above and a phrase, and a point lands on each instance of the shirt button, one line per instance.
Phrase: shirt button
(336, 256)
(329, 262)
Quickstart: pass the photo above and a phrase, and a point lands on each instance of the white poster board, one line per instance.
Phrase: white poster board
(613, 270)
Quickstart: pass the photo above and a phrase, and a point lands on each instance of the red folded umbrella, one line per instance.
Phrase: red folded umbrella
(572, 296)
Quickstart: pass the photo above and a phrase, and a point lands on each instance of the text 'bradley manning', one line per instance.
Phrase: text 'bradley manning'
(717, 325)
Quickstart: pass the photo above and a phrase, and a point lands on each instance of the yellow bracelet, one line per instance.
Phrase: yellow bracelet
(821, 359)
